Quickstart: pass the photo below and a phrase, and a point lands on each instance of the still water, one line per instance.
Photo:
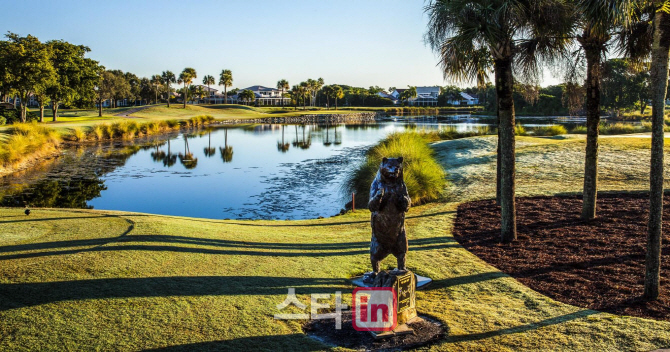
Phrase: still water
(236, 172)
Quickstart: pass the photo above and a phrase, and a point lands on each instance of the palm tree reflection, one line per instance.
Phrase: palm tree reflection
(283, 147)
(187, 158)
(209, 151)
(327, 142)
(226, 151)
(169, 160)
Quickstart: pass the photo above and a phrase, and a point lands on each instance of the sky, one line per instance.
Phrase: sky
(355, 42)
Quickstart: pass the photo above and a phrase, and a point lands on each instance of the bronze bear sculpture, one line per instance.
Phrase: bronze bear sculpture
(388, 203)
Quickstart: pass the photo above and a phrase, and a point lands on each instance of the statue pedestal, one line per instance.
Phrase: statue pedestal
(421, 281)
(404, 283)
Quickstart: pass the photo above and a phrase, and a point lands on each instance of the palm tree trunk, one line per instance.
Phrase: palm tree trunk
(100, 108)
(54, 111)
(41, 112)
(185, 95)
(659, 86)
(498, 165)
(225, 94)
(592, 125)
(168, 96)
(504, 89)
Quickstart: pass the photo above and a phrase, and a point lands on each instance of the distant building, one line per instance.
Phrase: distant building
(463, 99)
(264, 96)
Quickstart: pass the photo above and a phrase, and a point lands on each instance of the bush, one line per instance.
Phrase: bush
(553, 130)
(424, 177)
(578, 130)
(617, 128)
(520, 131)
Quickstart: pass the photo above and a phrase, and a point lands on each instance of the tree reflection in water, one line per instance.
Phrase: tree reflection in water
(187, 158)
(226, 151)
(283, 147)
(209, 151)
(169, 159)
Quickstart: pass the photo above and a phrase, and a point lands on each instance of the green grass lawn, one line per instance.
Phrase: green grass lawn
(87, 280)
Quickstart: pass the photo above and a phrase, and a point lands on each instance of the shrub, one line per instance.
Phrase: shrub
(97, 132)
(578, 130)
(617, 128)
(424, 177)
(78, 134)
(553, 130)
(520, 130)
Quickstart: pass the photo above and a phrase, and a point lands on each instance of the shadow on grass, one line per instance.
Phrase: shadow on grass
(164, 243)
(31, 294)
(464, 280)
(522, 328)
(293, 342)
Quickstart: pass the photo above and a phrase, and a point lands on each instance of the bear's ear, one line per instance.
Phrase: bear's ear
(384, 160)
(400, 160)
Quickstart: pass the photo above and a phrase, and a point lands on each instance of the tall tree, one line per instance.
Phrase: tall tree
(186, 77)
(168, 77)
(75, 77)
(26, 65)
(476, 37)
(156, 82)
(208, 80)
(328, 92)
(247, 96)
(104, 88)
(226, 80)
(659, 87)
(283, 86)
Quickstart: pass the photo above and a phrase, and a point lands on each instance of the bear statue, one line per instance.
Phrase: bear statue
(388, 203)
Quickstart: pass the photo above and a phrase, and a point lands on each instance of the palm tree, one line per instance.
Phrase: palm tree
(226, 80)
(327, 91)
(338, 93)
(408, 94)
(660, 46)
(476, 37)
(305, 89)
(187, 76)
(170, 159)
(208, 80)
(166, 78)
(282, 85)
(187, 158)
(156, 81)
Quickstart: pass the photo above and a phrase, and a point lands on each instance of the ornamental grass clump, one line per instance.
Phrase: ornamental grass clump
(553, 130)
(28, 140)
(424, 177)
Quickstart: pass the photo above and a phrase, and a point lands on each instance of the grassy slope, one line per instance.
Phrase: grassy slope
(84, 119)
(106, 280)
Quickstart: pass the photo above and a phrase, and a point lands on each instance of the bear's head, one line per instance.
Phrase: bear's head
(391, 169)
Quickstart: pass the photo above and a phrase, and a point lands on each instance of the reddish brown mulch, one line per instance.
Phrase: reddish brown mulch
(596, 264)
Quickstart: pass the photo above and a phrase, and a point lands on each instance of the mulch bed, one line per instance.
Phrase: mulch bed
(596, 264)
(426, 331)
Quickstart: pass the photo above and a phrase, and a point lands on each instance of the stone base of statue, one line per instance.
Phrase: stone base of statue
(404, 283)
(362, 281)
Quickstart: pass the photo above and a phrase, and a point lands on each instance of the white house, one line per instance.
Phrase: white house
(465, 99)
(268, 96)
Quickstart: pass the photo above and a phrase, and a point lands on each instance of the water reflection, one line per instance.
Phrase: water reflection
(209, 151)
(283, 147)
(226, 151)
(187, 159)
(301, 180)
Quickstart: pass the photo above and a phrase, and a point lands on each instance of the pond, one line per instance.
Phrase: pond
(236, 172)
